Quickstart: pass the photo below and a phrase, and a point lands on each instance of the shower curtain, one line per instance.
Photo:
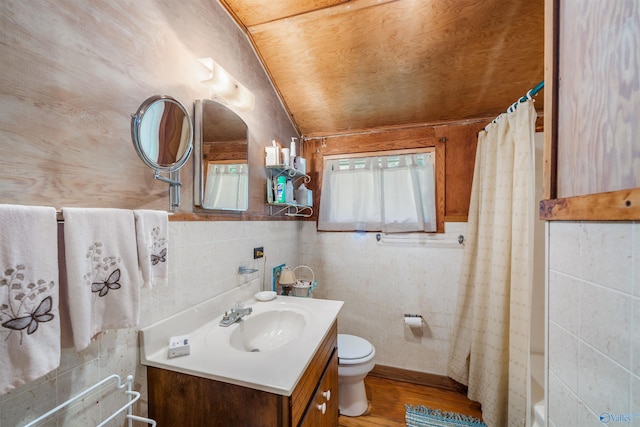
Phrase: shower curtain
(489, 344)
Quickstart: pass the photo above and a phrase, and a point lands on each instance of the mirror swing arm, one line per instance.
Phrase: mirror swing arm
(162, 134)
(174, 187)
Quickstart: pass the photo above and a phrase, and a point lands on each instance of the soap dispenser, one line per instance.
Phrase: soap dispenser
(299, 162)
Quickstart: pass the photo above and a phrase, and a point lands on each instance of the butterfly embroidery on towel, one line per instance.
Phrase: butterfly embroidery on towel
(30, 322)
(161, 257)
(111, 283)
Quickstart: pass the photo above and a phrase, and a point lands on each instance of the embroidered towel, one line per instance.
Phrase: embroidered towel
(29, 320)
(151, 234)
(101, 270)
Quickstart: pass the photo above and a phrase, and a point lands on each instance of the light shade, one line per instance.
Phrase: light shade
(223, 87)
(287, 277)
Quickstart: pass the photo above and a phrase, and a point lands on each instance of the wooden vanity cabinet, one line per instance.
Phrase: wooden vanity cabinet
(323, 409)
(177, 399)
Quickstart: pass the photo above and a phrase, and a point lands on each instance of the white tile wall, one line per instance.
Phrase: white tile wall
(594, 323)
(564, 404)
(594, 309)
(204, 258)
(380, 282)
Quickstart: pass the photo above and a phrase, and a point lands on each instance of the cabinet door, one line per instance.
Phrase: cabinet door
(323, 409)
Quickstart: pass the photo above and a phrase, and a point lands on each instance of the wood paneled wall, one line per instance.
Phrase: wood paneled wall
(592, 154)
(72, 72)
(598, 97)
(458, 139)
(225, 152)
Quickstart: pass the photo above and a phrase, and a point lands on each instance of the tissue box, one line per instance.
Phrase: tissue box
(300, 164)
(271, 156)
(304, 197)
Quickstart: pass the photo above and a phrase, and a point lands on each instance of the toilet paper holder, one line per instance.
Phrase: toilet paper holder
(413, 320)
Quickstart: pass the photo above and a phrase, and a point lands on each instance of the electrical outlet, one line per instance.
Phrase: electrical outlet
(258, 252)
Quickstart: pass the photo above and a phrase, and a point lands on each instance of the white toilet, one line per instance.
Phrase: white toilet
(355, 361)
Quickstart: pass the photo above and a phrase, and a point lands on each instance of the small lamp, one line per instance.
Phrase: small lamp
(287, 280)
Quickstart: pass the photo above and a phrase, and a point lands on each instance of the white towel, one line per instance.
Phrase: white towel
(29, 316)
(151, 234)
(101, 270)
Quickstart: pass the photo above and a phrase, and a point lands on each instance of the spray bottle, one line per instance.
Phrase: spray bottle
(281, 189)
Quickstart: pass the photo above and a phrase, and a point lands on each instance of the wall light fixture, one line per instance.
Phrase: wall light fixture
(224, 88)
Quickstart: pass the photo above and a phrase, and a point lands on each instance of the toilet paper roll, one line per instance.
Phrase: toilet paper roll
(413, 321)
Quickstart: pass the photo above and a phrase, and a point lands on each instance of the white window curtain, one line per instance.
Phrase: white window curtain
(392, 194)
(226, 187)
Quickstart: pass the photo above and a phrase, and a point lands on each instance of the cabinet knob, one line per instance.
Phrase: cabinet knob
(327, 395)
(322, 408)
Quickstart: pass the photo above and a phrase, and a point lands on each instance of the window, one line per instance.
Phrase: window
(226, 186)
(394, 192)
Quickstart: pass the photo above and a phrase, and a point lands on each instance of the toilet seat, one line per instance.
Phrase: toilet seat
(353, 350)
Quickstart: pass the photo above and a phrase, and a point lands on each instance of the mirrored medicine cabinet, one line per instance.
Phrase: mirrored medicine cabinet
(221, 167)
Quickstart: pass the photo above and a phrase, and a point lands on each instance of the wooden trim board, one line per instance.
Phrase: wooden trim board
(420, 378)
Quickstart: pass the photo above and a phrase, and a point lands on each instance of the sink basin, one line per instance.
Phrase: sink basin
(268, 330)
(286, 330)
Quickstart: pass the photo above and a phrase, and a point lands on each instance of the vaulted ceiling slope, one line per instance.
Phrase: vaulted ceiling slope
(344, 66)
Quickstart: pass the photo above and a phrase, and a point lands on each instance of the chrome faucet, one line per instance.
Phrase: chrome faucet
(235, 314)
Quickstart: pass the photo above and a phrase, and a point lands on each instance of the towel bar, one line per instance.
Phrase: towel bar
(60, 215)
(419, 240)
(133, 397)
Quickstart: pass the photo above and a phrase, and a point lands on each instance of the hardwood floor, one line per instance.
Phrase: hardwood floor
(387, 399)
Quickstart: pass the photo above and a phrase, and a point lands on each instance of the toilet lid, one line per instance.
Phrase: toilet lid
(353, 347)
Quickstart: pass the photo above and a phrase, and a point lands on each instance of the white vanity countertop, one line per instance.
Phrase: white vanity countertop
(212, 356)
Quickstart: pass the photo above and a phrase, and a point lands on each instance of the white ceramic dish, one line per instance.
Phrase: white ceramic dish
(265, 295)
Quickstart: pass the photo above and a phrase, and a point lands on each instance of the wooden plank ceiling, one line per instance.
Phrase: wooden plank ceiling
(344, 66)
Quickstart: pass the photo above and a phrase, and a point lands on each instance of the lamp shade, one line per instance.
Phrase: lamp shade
(287, 277)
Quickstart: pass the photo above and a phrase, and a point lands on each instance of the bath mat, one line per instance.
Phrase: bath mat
(421, 416)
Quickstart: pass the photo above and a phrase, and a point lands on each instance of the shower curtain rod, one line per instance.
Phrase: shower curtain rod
(532, 92)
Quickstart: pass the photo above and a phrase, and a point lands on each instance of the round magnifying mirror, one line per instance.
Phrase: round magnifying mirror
(162, 133)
